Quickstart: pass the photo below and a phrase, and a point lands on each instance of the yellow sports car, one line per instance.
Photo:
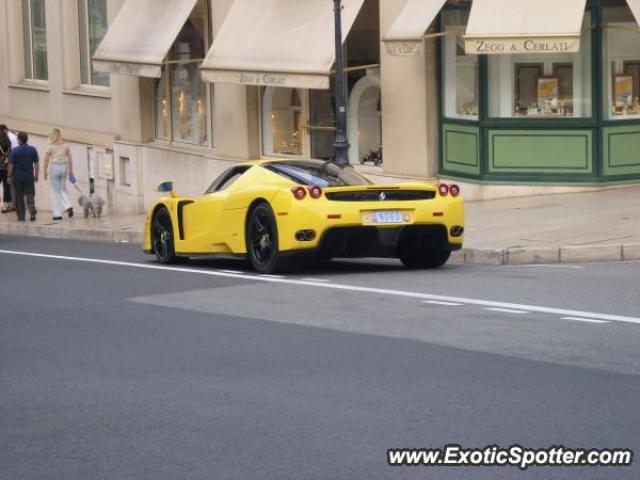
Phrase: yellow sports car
(275, 211)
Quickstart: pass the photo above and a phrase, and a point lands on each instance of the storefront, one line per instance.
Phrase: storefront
(533, 91)
(287, 50)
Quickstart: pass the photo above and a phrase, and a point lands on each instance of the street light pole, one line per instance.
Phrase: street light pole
(341, 142)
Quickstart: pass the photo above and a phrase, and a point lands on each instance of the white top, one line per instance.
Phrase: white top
(14, 139)
(58, 153)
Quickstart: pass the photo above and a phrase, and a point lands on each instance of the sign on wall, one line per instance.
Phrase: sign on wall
(318, 80)
(507, 46)
(403, 49)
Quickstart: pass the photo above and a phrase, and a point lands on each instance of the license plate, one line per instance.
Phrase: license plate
(386, 216)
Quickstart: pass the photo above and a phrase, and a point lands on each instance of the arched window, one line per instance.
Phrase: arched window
(282, 125)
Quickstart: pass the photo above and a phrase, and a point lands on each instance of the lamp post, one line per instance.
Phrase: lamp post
(341, 142)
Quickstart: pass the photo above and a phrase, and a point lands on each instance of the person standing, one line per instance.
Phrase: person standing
(12, 136)
(23, 175)
(58, 166)
(5, 150)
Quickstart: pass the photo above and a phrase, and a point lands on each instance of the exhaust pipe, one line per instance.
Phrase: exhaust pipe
(457, 231)
(305, 235)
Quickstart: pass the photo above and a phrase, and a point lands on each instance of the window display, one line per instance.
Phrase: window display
(622, 64)
(182, 105)
(460, 71)
(542, 85)
(282, 132)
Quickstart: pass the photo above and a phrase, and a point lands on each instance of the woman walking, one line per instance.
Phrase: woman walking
(58, 166)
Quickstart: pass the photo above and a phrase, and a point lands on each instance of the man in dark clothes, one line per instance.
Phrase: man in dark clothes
(23, 173)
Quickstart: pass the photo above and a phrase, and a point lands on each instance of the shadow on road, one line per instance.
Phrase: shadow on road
(338, 266)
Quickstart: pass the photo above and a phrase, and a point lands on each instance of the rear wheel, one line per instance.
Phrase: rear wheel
(425, 259)
(162, 237)
(262, 240)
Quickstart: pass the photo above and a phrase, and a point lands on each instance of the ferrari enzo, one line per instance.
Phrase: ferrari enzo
(274, 212)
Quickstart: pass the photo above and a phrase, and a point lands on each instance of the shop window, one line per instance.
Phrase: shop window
(322, 120)
(526, 84)
(92, 17)
(34, 27)
(182, 98)
(302, 122)
(542, 85)
(460, 71)
(622, 64)
(283, 125)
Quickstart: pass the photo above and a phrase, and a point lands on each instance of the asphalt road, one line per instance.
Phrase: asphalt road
(112, 367)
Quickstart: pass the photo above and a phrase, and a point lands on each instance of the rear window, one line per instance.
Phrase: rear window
(322, 174)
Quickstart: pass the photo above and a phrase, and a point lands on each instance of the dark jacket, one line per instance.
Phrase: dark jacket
(23, 159)
(5, 145)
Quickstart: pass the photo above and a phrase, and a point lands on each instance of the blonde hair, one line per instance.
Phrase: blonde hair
(55, 136)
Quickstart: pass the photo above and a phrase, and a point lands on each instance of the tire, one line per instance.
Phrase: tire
(425, 259)
(262, 240)
(162, 237)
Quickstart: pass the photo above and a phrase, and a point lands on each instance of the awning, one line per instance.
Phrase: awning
(141, 35)
(634, 5)
(407, 31)
(524, 26)
(283, 43)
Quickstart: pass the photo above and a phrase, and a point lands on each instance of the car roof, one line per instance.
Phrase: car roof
(263, 161)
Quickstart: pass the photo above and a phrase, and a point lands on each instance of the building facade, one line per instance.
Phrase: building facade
(153, 90)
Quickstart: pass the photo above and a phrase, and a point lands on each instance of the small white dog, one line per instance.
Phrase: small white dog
(91, 203)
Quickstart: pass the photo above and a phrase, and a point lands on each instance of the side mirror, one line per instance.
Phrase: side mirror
(165, 187)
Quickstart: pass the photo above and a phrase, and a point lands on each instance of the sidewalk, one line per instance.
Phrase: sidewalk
(562, 228)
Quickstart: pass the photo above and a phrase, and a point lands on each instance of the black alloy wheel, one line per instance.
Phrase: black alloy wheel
(162, 237)
(262, 240)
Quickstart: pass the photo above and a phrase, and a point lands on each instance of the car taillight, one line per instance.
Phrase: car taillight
(299, 193)
(443, 188)
(454, 190)
(315, 191)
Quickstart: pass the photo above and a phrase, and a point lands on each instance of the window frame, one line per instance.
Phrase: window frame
(608, 74)
(29, 63)
(84, 39)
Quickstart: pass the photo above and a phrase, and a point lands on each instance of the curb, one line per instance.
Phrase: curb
(474, 256)
(548, 255)
(59, 231)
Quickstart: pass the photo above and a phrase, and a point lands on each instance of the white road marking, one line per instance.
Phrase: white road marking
(586, 320)
(548, 265)
(265, 275)
(507, 310)
(446, 304)
(311, 279)
(232, 272)
(336, 286)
